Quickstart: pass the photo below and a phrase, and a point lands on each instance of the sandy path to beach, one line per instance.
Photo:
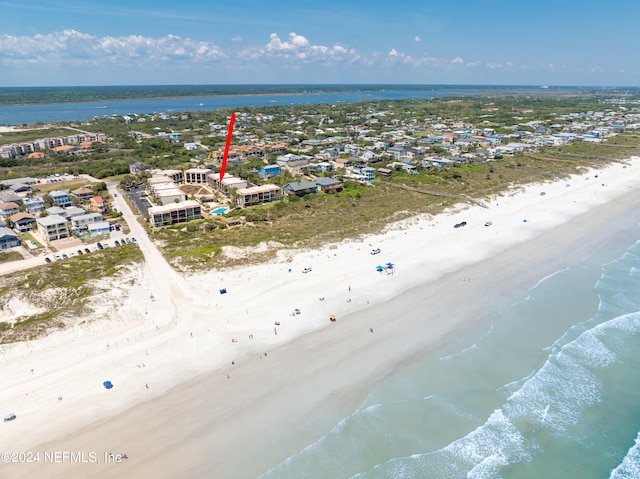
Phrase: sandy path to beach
(217, 406)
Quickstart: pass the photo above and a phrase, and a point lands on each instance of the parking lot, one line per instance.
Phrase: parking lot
(141, 203)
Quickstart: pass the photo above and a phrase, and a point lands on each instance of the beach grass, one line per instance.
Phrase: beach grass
(7, 256)
(318, 219)
(61, 288)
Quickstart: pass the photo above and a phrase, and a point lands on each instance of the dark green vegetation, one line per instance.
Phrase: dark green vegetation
(501, 112)
(61, 289)
(44, 95)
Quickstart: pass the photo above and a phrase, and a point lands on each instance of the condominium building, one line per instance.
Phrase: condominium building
(174, 213)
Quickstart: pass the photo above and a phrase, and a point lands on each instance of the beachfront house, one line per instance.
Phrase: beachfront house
(81, 222)
(329, 185)
(300, 188)
(8, 239)
(22, 222)
(52, 228)
(98, 228)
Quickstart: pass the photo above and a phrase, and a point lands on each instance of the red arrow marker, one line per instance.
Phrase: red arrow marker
(226, 147)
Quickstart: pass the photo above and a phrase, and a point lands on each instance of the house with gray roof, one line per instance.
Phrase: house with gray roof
(300, 188)
(82, 222)
(20, 188)
(53, 228)
(10, 196)
(327, 185)
(8, 239)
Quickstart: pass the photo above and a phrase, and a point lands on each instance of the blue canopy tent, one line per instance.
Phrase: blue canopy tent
(223, 291)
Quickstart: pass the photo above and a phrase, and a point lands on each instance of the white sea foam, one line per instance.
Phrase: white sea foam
(629, 468)
(473, 347)
(549, 276)
(553, 399)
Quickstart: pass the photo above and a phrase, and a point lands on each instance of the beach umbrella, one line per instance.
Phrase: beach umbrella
(379, 268)
(223, 291)
(389, 265)
(107, 384)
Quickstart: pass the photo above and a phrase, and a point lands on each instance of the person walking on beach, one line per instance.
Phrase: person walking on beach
(371, 329)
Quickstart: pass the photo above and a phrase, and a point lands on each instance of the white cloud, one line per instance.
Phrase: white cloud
(395, 57)
(298, 48)
(418, 39)
(74, 53)
(70, 47)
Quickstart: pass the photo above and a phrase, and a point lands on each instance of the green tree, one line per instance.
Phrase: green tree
(48, 200)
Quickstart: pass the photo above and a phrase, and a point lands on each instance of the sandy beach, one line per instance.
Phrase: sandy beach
(229, 385)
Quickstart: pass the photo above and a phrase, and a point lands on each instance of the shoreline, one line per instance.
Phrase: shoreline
(311, 364)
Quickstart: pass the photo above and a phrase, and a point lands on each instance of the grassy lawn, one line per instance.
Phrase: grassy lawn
(69, 279)
(59, 185)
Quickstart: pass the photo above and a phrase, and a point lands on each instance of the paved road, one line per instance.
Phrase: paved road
(169, 284)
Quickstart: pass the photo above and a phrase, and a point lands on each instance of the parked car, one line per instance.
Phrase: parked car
(56, 257)
(133, 240)
(375, 251)
(87, 251)
(306, 270)
(47, 259)
(9, 417)
(64, 256)
(100, 246)
(117, 243)
(127, 240)
(79, 251)
(488, 223)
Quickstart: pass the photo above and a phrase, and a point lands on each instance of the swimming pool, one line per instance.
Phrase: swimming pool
(219, 211)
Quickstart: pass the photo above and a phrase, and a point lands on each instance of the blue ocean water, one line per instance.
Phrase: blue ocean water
(546, 387)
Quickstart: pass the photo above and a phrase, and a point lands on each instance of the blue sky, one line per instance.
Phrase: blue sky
(507, 42)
